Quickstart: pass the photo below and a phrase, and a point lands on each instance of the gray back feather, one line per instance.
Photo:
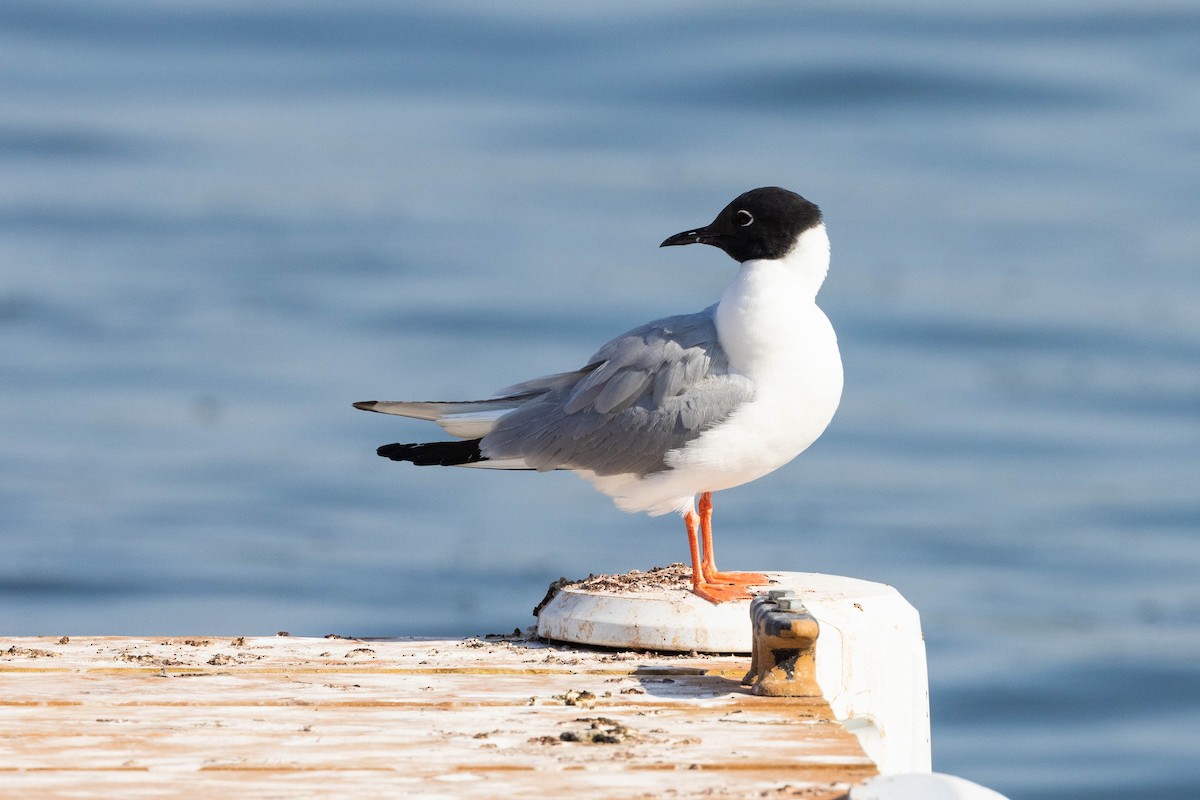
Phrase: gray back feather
(643, 394)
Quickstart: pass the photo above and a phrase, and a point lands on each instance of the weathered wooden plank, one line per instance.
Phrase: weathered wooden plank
(284, 716)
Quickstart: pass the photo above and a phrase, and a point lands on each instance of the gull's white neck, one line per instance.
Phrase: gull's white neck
(769, 311)
(805, 265)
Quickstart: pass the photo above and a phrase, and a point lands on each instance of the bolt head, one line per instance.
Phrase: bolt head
(793, 604)
(776, 594)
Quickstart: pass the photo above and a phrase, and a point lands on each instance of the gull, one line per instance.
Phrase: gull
(683, 406)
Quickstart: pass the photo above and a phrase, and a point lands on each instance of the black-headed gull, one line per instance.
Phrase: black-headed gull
(683, 406)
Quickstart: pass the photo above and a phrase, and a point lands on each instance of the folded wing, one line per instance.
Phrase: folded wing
(642, 395)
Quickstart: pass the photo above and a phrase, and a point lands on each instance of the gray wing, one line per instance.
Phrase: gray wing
(642, 395)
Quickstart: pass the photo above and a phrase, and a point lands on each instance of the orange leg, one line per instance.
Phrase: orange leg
(692, 521)
(712, 592)
(708, 567)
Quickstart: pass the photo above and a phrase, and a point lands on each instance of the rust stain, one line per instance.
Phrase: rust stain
(783, 658)
(114, 768)
(798, 712)
(357, 668)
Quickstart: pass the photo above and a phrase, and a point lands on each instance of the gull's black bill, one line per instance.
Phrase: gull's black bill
(699, 236)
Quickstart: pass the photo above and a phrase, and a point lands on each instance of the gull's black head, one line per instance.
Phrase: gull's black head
(762, 223)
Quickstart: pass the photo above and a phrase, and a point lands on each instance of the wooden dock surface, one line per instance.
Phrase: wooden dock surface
(292, 717)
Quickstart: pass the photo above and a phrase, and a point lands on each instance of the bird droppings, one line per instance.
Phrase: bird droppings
(361, 652)
(221, 660)
(574, 697)
(28, 652)
(552, 658)
(674, 576)
(516, 635)
(828, 792)
(65, 640)
(147, 659)
(624, 655)
(238, 642)
(546, 740)
(599, 730)
(633, 690)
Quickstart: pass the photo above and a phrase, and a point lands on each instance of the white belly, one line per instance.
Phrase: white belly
(797, 392)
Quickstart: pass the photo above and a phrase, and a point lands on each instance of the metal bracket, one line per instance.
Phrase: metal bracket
(784, 638)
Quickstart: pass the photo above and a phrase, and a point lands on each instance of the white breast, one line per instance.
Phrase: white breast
(773, 332)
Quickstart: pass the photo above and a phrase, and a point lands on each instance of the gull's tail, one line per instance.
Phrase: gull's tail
(470, 419)
(474, 419)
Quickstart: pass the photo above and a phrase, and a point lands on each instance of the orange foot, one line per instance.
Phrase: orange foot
(712, 575)
(717, 593)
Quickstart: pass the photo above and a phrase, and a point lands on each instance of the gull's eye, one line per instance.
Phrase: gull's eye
(743, 218)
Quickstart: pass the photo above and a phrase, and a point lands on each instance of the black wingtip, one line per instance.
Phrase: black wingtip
(366, 405)
(434, 454)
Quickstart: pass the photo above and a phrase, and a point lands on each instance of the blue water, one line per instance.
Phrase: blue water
(222, 223)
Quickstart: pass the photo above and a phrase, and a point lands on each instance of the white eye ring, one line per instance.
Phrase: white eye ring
(749, 217)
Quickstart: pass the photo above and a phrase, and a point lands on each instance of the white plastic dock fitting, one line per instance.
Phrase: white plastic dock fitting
(870, 655)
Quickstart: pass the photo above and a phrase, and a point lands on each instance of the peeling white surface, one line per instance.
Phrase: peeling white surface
(480, 718)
